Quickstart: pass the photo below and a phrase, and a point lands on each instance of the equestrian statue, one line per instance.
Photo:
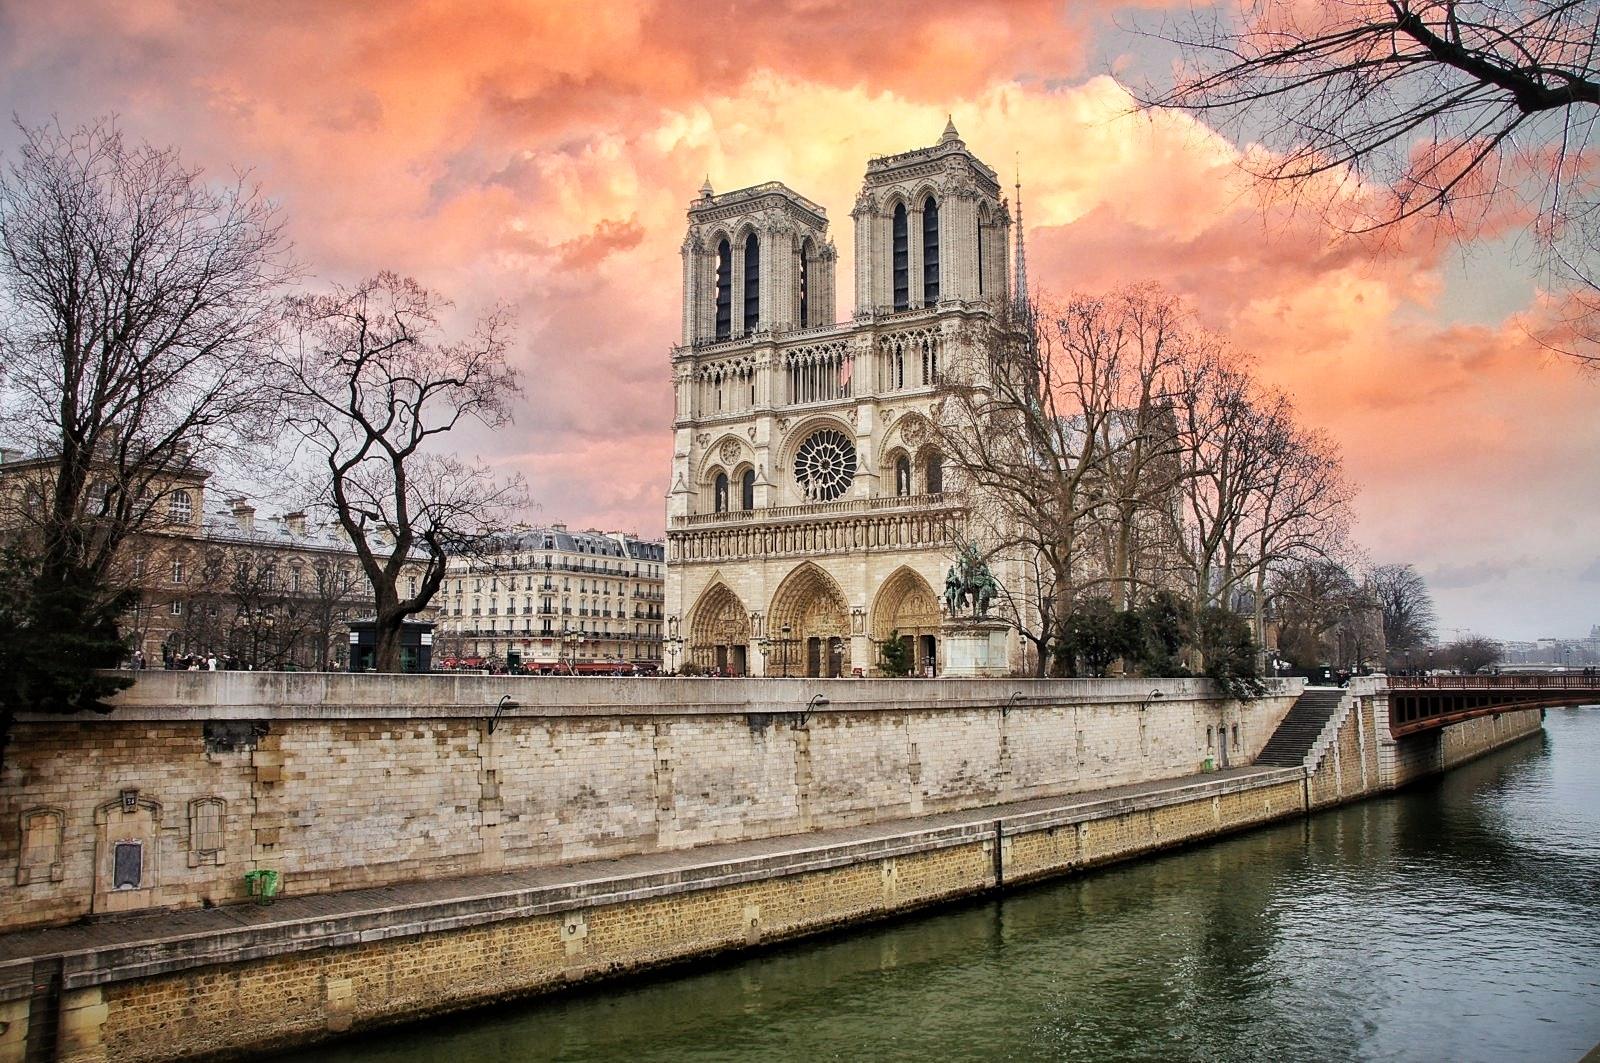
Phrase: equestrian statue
(969, 579)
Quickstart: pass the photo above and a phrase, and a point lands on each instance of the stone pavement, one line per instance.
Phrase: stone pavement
(104, 948)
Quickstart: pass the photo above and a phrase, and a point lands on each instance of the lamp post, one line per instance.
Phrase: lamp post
(673, 644)
(569, 639)
(764, 644)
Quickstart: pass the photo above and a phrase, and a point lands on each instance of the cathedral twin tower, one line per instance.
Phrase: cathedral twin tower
(809, 518)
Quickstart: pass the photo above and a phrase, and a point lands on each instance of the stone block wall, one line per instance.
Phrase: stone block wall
(343, 781)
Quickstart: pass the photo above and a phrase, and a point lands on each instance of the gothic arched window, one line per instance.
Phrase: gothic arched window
(983, 223)
(720, 493)
(747, 490)
(805, 283)
(180, 507)
(902, 259)
(724, 290)
(935, 473)
(902, 476)
(752, 283)
(930, 251)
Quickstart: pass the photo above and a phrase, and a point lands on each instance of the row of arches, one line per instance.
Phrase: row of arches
(746, 288)
(808, 627)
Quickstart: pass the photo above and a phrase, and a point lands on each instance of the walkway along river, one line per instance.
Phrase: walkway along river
(1457, 920)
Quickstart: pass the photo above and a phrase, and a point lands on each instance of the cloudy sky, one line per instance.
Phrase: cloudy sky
(542, 153)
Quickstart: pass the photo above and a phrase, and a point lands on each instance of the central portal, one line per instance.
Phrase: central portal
(809, 626)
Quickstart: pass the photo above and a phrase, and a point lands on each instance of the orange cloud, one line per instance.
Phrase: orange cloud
(543, 153)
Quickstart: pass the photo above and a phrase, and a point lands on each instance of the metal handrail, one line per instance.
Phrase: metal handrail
(1541, 681)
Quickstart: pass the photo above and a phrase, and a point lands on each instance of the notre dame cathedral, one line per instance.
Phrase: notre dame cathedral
(810, 514)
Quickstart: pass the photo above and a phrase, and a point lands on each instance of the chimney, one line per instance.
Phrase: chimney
(295, 522)
(244, 514)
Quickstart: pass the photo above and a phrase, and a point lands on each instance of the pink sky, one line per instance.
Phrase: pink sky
(542, 154)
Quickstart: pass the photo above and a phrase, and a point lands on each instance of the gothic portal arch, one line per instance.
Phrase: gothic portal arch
(719, 631)
(907, 609)
(809, 626)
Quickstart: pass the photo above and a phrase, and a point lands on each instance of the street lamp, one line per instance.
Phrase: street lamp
(673, 644)
(570, 638)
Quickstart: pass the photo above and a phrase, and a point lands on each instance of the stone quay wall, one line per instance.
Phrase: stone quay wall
(345, 781)
(236, 989)
(1356, 756)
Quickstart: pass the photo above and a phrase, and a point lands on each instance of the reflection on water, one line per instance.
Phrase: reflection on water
(1458, 921)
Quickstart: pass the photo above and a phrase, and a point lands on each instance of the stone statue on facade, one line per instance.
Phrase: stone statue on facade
(969, 580)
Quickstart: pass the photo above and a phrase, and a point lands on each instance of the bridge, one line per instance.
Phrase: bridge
(1427, 702)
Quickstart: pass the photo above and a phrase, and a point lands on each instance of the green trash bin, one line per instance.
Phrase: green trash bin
(261, 885)
(1210, 764)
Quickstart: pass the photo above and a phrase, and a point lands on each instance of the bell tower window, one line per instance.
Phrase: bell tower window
(752, 283)
(724, 290)
(930, 252)
(902, 259)
(720, 493)
(747, 490)
(805, 283)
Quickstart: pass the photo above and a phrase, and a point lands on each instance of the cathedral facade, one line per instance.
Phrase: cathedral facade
(810, 516)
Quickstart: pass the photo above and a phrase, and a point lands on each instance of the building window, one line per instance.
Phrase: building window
(206, 817)
(138, 568)
(902, 260)
(752, 283)
(177, 570)
(720, 493)
(930, 252)
(176, 608)
(805, 283)
(747, 489)
(41, 847)
(724, 296)
(127, 865)
(935, 471)
(180, 507)
(902, 476)
(294, 578)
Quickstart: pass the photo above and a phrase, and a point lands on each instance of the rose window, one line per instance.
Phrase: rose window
(824, 465)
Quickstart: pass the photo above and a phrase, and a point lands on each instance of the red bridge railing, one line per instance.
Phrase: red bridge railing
(1540, 681)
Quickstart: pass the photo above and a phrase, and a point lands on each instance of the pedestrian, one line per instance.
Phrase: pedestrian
(211, 663)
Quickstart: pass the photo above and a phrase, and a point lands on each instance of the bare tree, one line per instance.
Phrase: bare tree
(135, 302)
(1059, 423)
(1299, 507)
(372, 384)
(1326, 617)
(1446, 105)
(1467, 655)
(1407, 608)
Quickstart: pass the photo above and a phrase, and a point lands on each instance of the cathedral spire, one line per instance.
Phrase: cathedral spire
(1022, 249)
(949, 130)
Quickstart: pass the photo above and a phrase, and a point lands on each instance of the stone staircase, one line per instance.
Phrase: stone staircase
(1308, 716)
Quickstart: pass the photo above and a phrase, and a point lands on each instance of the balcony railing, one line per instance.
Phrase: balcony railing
(844, 508)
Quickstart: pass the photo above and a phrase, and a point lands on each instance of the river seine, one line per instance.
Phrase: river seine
(1457, 921)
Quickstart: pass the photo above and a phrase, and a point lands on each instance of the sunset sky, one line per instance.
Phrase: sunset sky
(543, 154)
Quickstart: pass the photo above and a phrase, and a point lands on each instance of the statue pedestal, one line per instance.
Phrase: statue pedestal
(975, 647)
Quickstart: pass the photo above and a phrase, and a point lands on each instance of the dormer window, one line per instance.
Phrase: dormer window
(180, 508)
